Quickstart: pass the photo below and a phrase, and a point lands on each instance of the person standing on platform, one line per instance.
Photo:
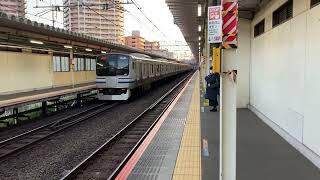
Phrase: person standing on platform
(212, 89)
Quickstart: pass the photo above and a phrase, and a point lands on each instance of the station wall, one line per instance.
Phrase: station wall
(284, 75)
(22, 71)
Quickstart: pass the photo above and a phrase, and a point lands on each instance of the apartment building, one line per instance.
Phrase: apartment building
(135, 40)
(102, 19)
(13, 7)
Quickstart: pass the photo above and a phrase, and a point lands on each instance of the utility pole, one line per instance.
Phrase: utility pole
(84, 17)
(52, 10)
(78, 16)
(100, 18)
(114, 21)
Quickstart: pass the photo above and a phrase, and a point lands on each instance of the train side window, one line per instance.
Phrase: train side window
(133, 64)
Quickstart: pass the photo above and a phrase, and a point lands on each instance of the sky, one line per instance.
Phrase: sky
(161, 29)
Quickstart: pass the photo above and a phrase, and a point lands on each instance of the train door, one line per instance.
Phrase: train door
(138, 74)
(142, 71)
(147, 69)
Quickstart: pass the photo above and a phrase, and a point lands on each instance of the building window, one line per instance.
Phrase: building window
(79, 64)
(61, 64)
(259, 28)
(314, 3)
(283, 13)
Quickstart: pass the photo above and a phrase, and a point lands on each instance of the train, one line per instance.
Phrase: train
(121, 75)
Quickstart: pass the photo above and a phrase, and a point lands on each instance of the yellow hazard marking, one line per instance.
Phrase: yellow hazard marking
(216, 61)
(188, 164)
(206, 102)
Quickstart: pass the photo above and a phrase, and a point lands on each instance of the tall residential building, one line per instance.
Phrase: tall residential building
(102, 19)
(135, 40)
(13, 7)
(151, 46)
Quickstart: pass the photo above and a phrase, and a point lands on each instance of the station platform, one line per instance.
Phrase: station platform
(18, 99)
(185, 145)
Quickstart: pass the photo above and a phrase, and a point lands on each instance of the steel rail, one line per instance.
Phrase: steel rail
(83, 165)
(24, 140)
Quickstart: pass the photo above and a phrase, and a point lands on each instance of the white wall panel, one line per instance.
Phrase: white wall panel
(284, 72)
(311, 133)
(24, 71)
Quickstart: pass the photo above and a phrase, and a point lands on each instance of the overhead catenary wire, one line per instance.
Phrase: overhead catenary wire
(139, 20)
(145, 15)
(104, 17)
(3, 5)
(117, 6)
(109, 20)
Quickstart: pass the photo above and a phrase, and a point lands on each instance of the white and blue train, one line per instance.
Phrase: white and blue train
(120, 75)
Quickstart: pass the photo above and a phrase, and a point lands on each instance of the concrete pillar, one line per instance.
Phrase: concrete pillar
(228, 123)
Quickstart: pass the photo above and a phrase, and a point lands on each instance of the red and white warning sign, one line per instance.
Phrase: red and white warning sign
(215, 24)
(230, 24)
(215, 13)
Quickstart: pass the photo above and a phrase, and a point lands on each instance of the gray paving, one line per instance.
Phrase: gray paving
(263, 155)
(209, 133)
(158, 160)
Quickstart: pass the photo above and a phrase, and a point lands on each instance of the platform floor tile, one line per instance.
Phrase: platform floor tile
(159, 159)
(188, 164)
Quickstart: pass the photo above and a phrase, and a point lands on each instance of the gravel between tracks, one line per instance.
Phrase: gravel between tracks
(7, 133)
(52, 158)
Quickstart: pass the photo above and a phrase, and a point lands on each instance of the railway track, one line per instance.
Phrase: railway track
(20, 142)
(106, 161)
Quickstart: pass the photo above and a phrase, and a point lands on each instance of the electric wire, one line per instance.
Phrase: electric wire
(3, 5)
(145, 15)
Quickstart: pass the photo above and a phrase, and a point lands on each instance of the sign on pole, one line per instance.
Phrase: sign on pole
(230, 24)
(214, 24)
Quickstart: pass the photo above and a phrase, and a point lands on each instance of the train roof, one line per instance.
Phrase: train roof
(147, 58)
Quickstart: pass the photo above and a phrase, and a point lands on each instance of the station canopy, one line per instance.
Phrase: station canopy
(185, 13)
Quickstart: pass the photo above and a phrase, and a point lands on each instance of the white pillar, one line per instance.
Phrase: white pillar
(228, 123)
(71, 64)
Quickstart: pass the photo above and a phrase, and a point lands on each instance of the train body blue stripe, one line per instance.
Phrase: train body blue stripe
(122, 82)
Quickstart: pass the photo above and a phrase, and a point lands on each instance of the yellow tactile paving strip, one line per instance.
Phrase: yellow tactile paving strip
(188, 164)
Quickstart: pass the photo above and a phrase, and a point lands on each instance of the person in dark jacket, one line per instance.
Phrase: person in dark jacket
(212, 89)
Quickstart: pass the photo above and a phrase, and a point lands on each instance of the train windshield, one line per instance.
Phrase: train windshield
(113, 65)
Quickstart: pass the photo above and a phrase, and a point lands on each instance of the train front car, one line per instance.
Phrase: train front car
(114, 78)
